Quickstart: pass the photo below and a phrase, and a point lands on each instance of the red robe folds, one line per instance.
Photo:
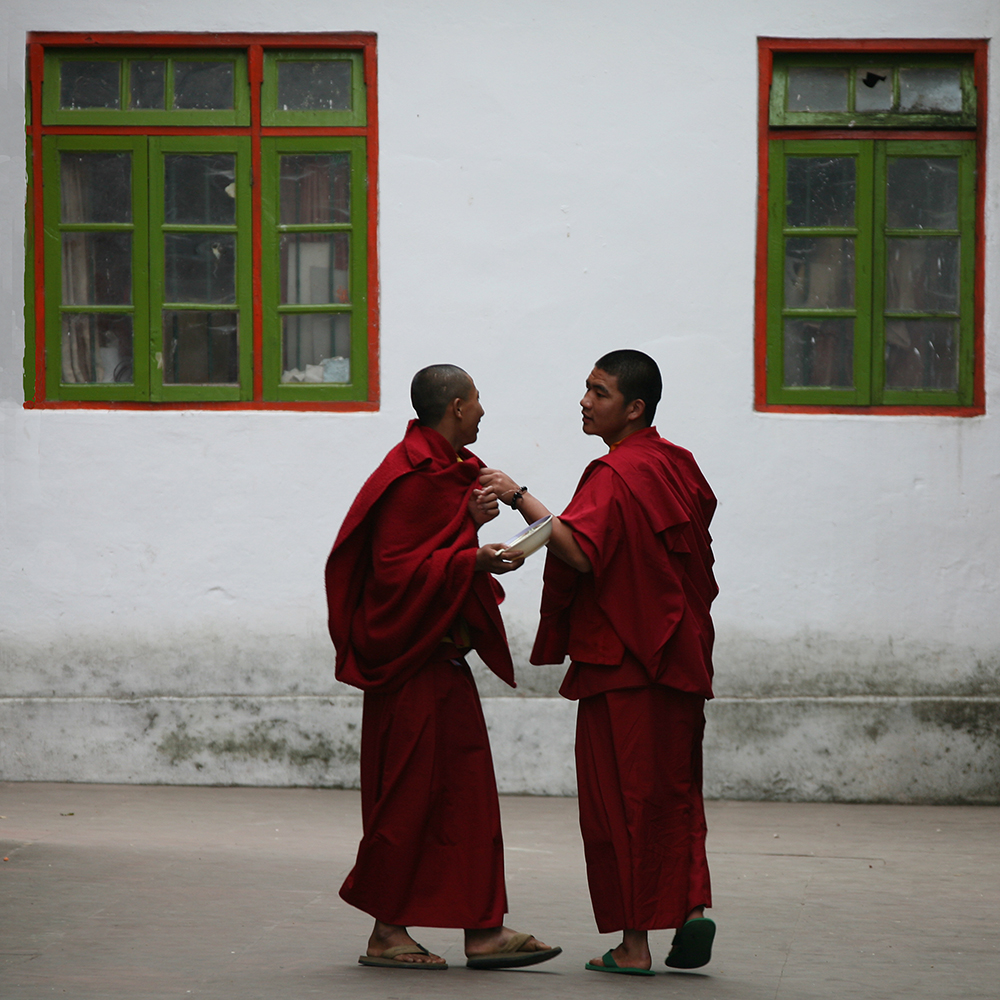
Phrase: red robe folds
(639, 634)
(402, 590)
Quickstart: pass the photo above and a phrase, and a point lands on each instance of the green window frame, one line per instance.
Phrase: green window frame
(272, 110)
(869, 298)
(891, 70)
(142, 301)
(869, 312)
(59, 64)
(348, 305)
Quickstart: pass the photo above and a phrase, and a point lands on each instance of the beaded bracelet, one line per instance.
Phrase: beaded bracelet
(517, 496)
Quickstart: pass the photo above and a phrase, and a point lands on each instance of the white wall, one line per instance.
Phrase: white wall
(556, 180)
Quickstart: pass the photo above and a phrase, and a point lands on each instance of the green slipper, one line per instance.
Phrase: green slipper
(610, 965)
(691, 947)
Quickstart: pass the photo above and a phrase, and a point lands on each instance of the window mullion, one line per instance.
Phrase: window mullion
(870, 293)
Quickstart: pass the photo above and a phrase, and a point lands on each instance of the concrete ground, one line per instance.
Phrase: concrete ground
(148, 893)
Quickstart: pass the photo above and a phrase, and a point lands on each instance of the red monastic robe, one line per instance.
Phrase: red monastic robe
(402, 590)
(639, 634)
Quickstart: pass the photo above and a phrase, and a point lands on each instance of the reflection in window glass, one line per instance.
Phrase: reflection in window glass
(200, 188)
(316, 347)
(817, 88)
(315, 189)
(922, 89)
(96, 347)
(819, 272)
(96, 269)
(90, 84)
(96, 187)
(200, 267)
(200, 348)
(922, 274)
(873, 90)
(819, 352)
(314, 85)
(147, 84)
(203, 85)
(820, 191)
(923, 193)
(315, 268)
(921, 354)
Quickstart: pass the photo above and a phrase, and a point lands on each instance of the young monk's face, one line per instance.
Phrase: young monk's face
(605, 412)
(469, 414)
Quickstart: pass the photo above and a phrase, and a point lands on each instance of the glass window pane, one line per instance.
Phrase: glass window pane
(819, 353)
(321, 85)
(147, 84)
(930, 90)
(96, 187)
(200, 189)
(921, 354)
(203, 85)
(200, 267)
(314, 268)
(922, 274)
(923, 193)
(200, 348)
(85, 84)
(820, 191)
(316, 348)
(819, 272)
(817, 88)
(873, 90)
(315, 190)
(96, 269)
(96, 347)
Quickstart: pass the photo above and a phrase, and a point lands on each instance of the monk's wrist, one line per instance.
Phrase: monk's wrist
(516, 497)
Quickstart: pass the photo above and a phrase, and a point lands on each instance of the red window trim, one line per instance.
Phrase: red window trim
(255, 44)
(766, 48)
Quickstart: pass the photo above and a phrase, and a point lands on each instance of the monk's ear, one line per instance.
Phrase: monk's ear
(636, 409)
(455, 408)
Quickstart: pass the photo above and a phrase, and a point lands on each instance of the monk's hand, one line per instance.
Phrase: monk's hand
(494, 558)
(483, 508)
(497, 485)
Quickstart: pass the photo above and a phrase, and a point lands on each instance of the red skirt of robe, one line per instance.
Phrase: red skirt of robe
(432, 851)
(642, 816)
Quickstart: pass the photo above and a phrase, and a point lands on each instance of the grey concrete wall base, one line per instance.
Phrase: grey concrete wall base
(253, 740)
(864, 749)
(260, 740)
(854, 749)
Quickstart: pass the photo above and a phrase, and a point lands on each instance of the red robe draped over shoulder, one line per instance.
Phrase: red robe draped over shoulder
(640, 514)
(402, 590)
(639, 633)
(395, 584)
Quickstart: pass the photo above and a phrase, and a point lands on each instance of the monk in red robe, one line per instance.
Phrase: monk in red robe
(410, 593)
(628, 588)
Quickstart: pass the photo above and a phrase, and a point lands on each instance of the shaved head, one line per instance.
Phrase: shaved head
(434, 387)
(638, 378)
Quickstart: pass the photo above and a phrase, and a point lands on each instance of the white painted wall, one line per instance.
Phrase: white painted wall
(557, 179)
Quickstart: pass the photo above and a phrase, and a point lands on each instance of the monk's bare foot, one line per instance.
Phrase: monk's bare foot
(632, 953)
(488, 940)
(386, 936)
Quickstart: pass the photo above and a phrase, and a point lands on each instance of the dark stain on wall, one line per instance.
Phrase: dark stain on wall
(267, 739)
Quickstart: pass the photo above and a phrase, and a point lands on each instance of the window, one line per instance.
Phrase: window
(202, 221)
(870, 246)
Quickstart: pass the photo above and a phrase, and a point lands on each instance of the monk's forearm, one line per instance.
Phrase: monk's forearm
(562, 543)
